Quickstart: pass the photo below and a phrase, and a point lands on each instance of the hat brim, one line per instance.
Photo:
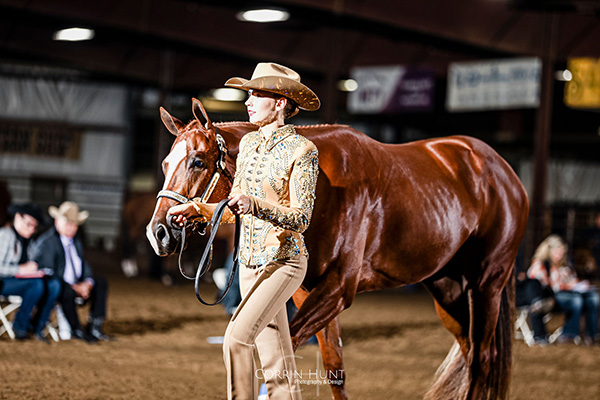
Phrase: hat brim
(82, 216)
(294, 90)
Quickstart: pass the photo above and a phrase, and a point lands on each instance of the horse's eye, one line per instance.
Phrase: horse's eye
(199, 164)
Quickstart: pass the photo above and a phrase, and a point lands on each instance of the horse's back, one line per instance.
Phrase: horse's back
(415, 203)
(349, 157)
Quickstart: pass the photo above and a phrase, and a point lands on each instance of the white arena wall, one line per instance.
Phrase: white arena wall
(67, 140)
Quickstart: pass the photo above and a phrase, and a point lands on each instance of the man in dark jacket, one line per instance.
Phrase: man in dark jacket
(61, 251)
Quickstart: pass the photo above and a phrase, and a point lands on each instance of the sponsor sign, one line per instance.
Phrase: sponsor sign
(391, 89)
(583, 90)
(494, 85)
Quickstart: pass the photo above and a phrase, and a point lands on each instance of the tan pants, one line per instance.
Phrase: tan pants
(261, 320)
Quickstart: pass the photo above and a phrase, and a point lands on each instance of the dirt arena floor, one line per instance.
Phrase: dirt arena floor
(393, 343)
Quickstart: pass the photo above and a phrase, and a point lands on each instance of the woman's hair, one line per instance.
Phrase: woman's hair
(290, 107)
(544, 250)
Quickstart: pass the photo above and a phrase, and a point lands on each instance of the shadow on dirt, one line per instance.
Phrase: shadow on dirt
(362, 333)
(141, 326)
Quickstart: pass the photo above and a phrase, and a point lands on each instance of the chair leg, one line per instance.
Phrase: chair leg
(64, 329)
(554, 336)
(52, 332)
(522, 330)
(14, 304)
(6, 326)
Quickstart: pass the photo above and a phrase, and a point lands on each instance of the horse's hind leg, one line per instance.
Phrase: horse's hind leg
(330, 344)
(474, 370)
(452, 306)
(488, 334)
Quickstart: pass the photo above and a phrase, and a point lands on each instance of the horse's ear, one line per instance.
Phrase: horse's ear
(200, 113)
(172, 123)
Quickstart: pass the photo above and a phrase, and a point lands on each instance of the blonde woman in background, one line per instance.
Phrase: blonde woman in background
(574, 296)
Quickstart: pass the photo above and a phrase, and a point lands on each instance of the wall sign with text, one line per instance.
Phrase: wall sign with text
(494, 85)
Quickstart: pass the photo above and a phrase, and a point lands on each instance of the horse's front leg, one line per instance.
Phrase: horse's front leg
(330, 344)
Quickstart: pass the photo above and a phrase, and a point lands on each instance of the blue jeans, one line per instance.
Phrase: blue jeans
(33, 292)
(573, 304)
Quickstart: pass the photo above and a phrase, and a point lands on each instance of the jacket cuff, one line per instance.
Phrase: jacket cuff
(284, 217)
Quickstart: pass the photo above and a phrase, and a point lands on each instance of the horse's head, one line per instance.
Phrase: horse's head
(197, 165)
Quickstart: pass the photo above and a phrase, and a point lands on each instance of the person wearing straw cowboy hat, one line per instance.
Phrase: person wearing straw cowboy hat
(274, 190)
(60, 250)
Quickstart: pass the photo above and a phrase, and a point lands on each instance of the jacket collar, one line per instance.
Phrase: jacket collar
(277, 136)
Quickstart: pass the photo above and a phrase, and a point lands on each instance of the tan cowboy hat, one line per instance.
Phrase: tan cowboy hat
(275, 78)
(70, 211)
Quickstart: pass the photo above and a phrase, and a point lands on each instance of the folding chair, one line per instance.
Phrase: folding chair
(522, 329)
(14, 302)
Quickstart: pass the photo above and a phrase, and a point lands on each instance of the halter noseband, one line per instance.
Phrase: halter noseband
(169, 194)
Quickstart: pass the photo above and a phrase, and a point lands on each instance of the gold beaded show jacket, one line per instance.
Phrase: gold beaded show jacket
(280, 176)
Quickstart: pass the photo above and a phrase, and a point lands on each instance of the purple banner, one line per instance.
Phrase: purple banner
(391, 89)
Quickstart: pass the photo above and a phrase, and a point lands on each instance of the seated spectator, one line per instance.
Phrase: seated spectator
(573, 296)
(61, 251)
(20, 276)
(539, 301)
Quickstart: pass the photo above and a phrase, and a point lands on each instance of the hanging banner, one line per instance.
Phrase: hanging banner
(494, 85)
(391, 89)
(583, 90)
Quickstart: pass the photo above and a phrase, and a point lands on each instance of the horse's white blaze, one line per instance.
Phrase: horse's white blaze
(152, 239)
(175, 157)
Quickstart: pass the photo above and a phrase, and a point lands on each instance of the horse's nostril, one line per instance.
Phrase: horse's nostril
(162, 234)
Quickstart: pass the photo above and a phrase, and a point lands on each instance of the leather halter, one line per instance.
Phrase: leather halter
(169, 194)
(205, 262)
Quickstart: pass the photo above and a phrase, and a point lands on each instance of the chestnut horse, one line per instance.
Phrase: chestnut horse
(449, 213)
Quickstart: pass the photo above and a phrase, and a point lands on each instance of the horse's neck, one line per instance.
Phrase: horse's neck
(233, 132)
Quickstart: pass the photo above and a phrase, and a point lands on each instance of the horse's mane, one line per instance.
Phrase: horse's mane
(232, 123)
(315, 126)
(245, 123)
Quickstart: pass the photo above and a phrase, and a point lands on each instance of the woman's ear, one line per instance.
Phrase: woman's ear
(281, 103)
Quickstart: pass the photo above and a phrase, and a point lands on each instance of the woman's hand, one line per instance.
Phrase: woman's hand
(239, 204)
(28, 268)
(183, 212)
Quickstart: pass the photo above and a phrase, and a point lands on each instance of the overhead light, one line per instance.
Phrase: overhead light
(228, 94)
(564, 76)
(263, 15)
(347, 85)
(73, 34)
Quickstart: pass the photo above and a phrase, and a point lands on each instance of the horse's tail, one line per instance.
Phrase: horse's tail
(451, 379)
(500, 368)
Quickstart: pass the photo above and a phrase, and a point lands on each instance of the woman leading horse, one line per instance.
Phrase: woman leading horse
(274, 190)
(447, 212)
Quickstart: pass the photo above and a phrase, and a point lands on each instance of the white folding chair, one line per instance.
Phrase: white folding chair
(12, 304)
(522, 329)
(64, 329)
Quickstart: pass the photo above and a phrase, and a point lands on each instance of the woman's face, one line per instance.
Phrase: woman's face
(264, 108)
(25, 225)
(557, 253)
